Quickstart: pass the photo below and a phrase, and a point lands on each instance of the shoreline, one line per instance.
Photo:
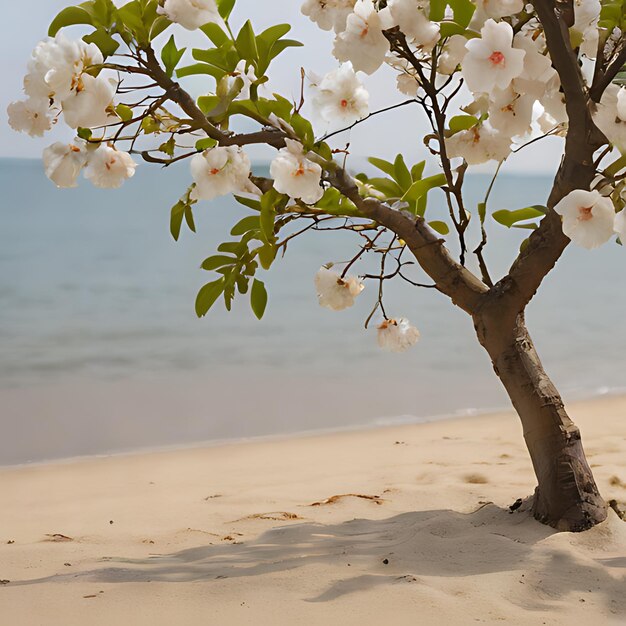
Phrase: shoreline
(375, 424)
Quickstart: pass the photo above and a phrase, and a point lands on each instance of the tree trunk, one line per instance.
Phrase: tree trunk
(566, 497)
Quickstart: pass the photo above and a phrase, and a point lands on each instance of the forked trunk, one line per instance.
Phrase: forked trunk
(566, 497)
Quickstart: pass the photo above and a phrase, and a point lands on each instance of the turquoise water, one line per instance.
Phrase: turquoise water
(100, 349)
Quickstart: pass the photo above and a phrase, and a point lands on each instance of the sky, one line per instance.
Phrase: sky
(26, 22)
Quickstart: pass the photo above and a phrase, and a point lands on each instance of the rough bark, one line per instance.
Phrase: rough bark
(566, 497)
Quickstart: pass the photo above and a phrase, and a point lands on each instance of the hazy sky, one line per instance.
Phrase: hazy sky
(26, 22)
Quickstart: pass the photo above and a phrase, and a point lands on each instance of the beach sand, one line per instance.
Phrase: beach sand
(251, 533)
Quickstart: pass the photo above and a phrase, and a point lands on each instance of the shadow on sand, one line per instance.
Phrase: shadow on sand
(437, 543)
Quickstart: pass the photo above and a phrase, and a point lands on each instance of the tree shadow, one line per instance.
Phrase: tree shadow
(436, 543)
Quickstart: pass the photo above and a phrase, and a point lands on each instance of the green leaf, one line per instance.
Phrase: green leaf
(509, 218)
(251, 222)
(437, 10)
(176, 219)
(447, 29)
(218, 260)
(168, 147)
(401, 173)
(215, 34)
(267, 254)
(282, 44)
(150, 125)
(225, 8)
(208, 295)
(440, 227)
(131, 16)
(421, 187)
(383, 166)
(205, 144)
(482, 211)
(84, 133)
(272, 34)
(68, 17)
(417, 171)
(160, 24)
(189, 218)
(462, 122)
(266, 45)
(124, 112)
(171, 56)
(463, 11)
(103, 40)
(248, 202)
(246, 43)
(268, 215)
(389, 187)
(208, 103)
(200, 68)
(303, 129)
(258, 298)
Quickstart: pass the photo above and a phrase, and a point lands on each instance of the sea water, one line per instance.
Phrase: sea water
(101, 351)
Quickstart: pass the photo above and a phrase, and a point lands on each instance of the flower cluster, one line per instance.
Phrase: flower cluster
(360, 26)
(63, 77)
(338, 292)
(104, 165)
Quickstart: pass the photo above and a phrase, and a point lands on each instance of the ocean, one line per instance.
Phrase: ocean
(101, 351)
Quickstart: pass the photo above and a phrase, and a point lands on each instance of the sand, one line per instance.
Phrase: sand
(251, 533)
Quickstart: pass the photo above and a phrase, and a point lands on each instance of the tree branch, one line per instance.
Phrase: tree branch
(452, 279)
(510, 295)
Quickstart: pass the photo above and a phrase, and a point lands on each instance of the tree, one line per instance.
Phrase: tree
(552, 63)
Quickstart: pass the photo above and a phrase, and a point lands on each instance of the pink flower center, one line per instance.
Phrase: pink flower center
(497, 58)
(585, 213)
(300, 170)
(344, 103)
(214, 171)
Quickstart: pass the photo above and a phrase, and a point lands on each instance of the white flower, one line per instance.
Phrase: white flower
(56, 66)
(397, 335)
(411, 17)
(608, 118)
(63, 162)
(108, 167)
(588, 218)
(341, 97)
(538, 76)
(586, 15)
(363, 41)
(511, 113)
(219, 171)
(491, 61)
(191, 14)
(479, 145)
(30, 116)
(91, 104)
(408, 84)
(452, 54)
(246, 75)
(328, 14)
(296, 175)
(497, 9)
(334, 292)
